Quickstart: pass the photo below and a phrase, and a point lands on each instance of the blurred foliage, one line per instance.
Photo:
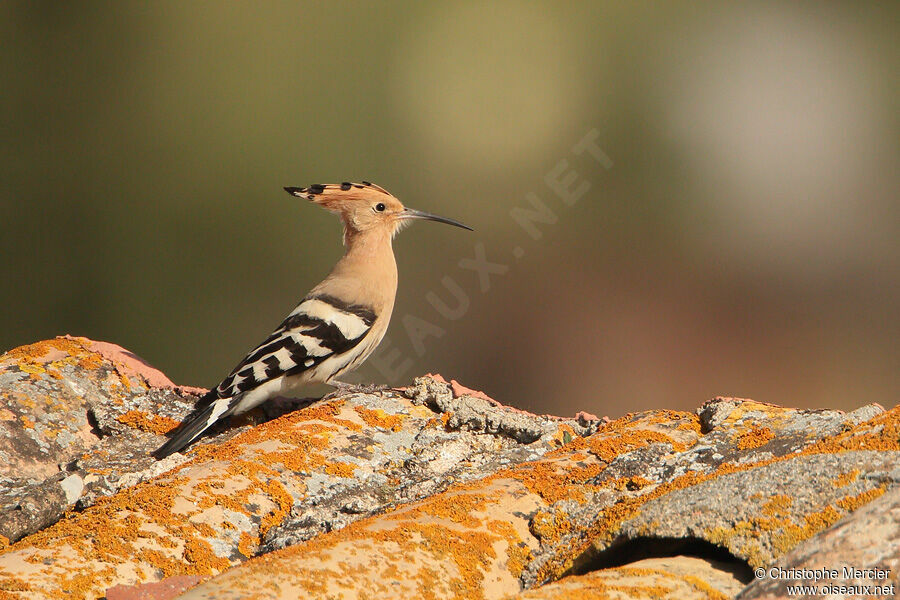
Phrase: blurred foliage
(744, 242)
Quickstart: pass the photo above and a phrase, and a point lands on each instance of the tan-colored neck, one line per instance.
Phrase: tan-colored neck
(367, 273)
(369, 250)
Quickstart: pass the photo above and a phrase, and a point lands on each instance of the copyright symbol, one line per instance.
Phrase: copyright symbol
(759, 572)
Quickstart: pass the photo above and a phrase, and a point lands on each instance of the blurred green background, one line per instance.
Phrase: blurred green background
(744, 241)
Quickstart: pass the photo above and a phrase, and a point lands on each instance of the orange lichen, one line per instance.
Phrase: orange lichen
(379, 418)
(467, 553)
(9, 583)
(649, 419)
(609, 447)
(172, 544)
(846, 478)
(299, 430)
(639, 591)
(247, 544)
(778, 506)
(34, 371)
(792, 534)
(551, 526)
(283, 502)
(32, 352)
(31, 357)
(604, 528)
(325, 412)
(27, 422)
(340, 469)
(90, 361)
(754, 438)
(204, 529)
(647, 591)
(82, 583)
(554, 482)
(853, 502)
(200, 558)
(427, 580)
(123, 379)
(457, 508)
(879, 433)
(445, 527)
(144, 421)
(692, 425)
(470, 551)
(750, 531)
(614, 583)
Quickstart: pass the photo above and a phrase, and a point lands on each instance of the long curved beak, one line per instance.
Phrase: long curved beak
(410, 213)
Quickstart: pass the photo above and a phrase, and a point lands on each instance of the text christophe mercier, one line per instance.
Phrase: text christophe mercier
(824, 573)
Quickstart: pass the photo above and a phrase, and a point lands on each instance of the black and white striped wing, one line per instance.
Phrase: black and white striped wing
(319, 328)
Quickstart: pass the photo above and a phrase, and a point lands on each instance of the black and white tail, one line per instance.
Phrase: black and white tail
(194, 428)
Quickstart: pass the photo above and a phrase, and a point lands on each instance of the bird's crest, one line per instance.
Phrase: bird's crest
(333, 196)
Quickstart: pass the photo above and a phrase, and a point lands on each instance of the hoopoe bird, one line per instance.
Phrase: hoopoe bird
(336, 326)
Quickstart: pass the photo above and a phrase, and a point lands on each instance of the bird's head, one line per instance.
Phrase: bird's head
(365, 207)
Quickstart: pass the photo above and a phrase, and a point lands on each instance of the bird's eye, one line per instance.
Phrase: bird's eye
(380, 207)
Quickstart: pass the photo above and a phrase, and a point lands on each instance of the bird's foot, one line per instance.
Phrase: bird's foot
(344, 389)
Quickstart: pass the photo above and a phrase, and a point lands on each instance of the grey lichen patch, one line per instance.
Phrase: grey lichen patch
(317, 483)
(72, 486)
(863, 414)
(396, 443)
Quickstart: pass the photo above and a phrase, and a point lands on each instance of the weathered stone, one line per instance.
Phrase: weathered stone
(78, 422)
(855, 551)
(781, 503)
(578, 508)
(478, 413)
(439, 491)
